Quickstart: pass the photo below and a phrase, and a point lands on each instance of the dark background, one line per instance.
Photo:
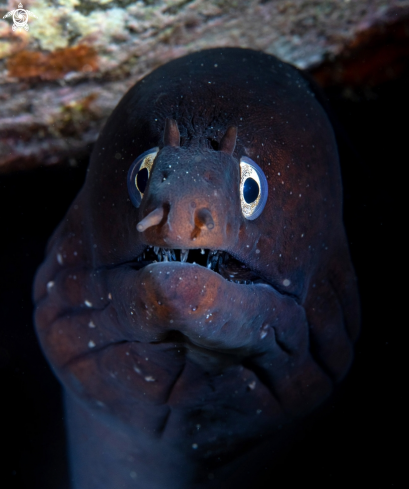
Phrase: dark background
(355, 441)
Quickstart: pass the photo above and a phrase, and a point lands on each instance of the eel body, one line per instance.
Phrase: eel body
(198, 298)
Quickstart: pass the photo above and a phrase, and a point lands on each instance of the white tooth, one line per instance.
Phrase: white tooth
(172, 254)
(156, 249)
(165, 258)
(202, 251)
(183, 255)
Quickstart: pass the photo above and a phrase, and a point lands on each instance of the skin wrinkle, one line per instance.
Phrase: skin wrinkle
(94, 352)
(150, 350)
(280, 343)
(316, 357)
(260, 375)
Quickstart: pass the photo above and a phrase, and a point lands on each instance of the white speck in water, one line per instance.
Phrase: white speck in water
(149, 378)
(133, 475)
(252, 385)
(91, 324)
(50, 285)
(59, 258)
(88, 303)
(137, 370)
(91, 344)
(198, 426)
(110, 296)
(194, 446)
(258, 411)
(286, 282)
(257, 251)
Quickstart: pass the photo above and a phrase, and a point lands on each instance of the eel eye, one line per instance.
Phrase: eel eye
(253, 188)
(138, 175)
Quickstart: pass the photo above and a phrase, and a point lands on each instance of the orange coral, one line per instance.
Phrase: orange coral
(54, 65)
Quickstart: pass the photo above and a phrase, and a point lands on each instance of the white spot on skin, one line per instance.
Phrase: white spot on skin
(252, 385)
(286, 282)
(88, 303)
(91, 324)
(137, 370)
(257, 251)
(110, 296)
(50, 285)
(91, 344)
(59, 258)
(149, 378)
(258, 411)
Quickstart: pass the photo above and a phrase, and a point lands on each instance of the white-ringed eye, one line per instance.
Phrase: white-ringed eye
(138, 175)
(253, 188)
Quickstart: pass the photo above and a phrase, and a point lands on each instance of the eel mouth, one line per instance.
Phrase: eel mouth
(218, 261)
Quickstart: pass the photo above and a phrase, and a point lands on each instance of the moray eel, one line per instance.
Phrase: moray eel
(199, 298)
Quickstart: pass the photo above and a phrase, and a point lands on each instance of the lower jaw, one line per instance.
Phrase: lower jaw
(199, 303)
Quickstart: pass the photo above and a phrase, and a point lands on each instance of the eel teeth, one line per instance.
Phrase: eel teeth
(183, 255)
(212, 259)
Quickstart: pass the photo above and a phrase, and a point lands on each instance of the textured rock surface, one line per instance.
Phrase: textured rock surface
(61, 79)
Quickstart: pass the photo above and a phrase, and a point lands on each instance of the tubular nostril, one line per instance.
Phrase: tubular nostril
(203, 217)
(152, 219)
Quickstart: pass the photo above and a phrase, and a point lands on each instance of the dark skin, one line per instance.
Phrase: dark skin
(175, 376)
